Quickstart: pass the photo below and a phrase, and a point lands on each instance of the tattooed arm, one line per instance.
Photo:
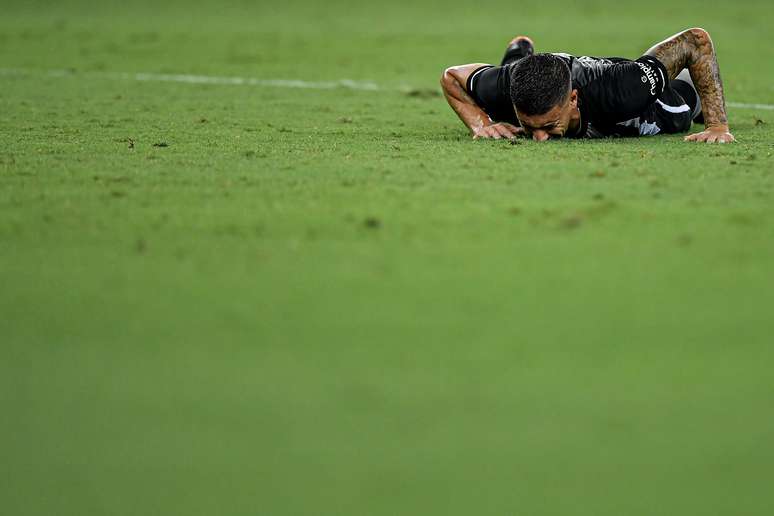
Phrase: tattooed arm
(453, 83)
(693, 49)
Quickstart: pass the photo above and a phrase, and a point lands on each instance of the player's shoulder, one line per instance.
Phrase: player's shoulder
(586, 69)
(613, 72)
(484, 77)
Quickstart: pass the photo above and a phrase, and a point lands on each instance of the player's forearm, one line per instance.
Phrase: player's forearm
(693, 49)
(462, 104)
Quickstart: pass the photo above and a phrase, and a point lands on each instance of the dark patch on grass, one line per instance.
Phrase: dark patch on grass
(515, 211)
(742, 219)
(117, 194)
(571, 222)
(161, 144)
(657, 183)
(423, 93)
(143, 37)
(598, 174)
(117, 179)
(759, 122)
(202, 120)
(230, 230)
(141, 246)
(160, 222)
(684, 240)
(344, 120)
(600, 209)
(598, 197)
(515, 141)
(128, 141)
(372, 223)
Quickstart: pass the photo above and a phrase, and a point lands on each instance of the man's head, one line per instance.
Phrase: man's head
(542, 95)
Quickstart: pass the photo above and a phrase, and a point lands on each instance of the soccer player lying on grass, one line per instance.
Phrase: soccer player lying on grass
(546, 96)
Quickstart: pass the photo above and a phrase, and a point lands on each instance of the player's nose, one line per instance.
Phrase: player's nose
(540, 136)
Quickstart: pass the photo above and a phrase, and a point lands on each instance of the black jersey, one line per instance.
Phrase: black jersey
(616, 96)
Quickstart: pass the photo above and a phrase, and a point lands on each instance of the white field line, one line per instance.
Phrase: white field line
(202, 79)
(741, 105)
(249, 81)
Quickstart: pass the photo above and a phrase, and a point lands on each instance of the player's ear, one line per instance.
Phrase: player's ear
(574, 98)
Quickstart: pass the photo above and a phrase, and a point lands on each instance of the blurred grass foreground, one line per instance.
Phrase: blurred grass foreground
(236, 297)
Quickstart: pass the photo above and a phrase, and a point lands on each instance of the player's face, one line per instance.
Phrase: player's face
(552, 124)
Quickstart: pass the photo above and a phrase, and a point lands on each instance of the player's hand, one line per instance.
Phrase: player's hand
(718, 134)
(498, 131)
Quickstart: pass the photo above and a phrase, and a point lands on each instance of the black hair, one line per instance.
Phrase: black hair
(538, 83)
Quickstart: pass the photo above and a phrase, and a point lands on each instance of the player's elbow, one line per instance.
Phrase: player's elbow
(446, 76)
(447, 79)
(701, 42)
(700, 35)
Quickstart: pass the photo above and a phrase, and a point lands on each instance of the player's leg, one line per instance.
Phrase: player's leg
(519, 48)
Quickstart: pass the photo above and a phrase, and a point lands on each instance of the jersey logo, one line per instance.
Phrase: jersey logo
(649, 76)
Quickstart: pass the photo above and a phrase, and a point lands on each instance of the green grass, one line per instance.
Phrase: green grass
(334, 302)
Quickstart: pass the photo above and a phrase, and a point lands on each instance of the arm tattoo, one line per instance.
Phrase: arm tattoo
(693, 49)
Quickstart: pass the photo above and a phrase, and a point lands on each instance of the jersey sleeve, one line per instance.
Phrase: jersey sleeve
(626, 89)
(489, 87)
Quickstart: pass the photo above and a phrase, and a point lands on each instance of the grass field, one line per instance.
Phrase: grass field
(236, 299)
